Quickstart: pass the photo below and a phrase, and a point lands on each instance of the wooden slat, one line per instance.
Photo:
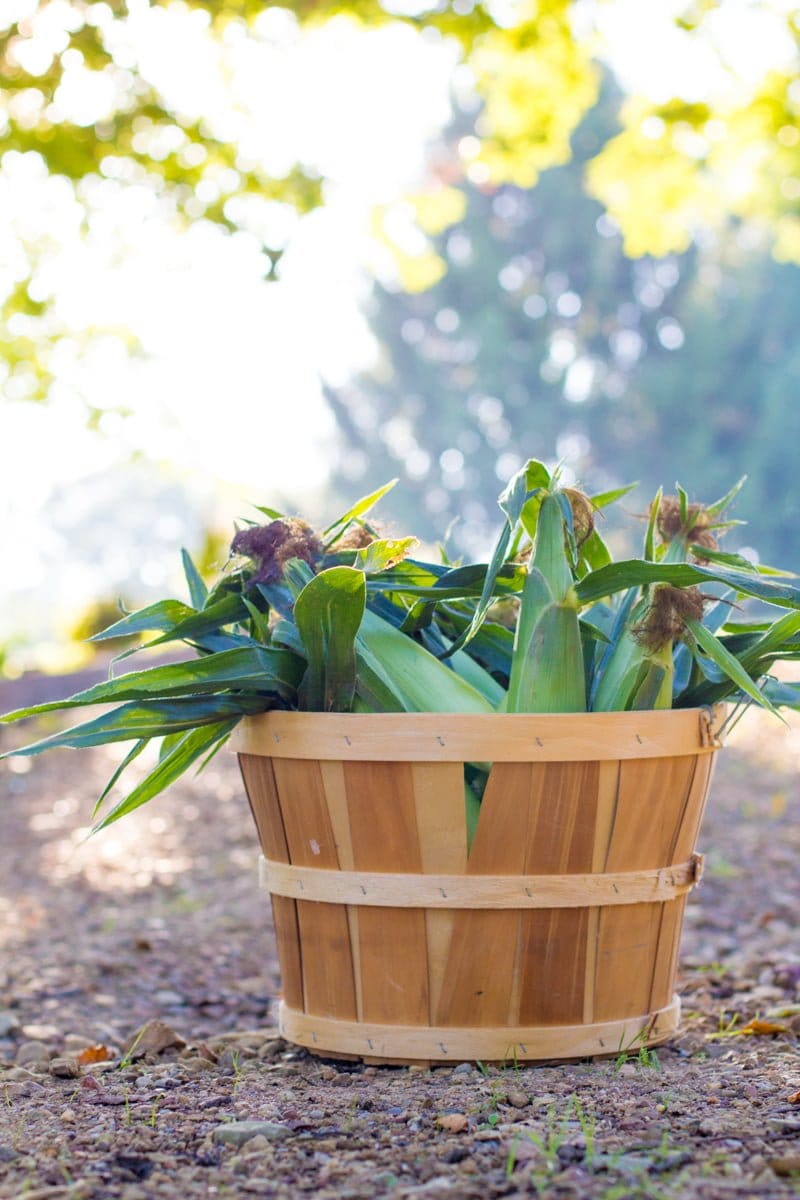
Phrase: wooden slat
(607, 793)
(383, 830)
(469, 737)
(328, 983)
(382, 889)
(481, 970)
(651, 800)
(259, 783)
(561, 837)
(455, 1044)
(442, 830)
(336, 796)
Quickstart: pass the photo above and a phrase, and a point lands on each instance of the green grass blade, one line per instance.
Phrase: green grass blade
(603, 499)
(359, 509)
(160, 617)
(719, 506)
(652, 523)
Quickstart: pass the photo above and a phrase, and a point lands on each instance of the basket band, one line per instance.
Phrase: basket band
(450, 1043)
(384, 890)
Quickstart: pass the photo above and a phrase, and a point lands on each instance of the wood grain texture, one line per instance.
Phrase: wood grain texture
(392, 941)
(382, 889)
(336, 797)
(469, 737)
(561, 838)
(259, 783)
(328, 981)
(606, 810)
(481, 970)
(442, 831)
(487, 1044)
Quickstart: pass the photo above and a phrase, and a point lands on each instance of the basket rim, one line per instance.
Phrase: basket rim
(491, 737)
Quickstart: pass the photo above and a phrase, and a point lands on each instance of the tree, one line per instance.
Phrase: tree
(544, 339)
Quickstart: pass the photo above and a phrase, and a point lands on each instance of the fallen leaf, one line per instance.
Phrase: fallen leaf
(94, 1054)
(794, 1098)
(153, 1038)
(452, 1122)
(759, 1028)
(787, 1164)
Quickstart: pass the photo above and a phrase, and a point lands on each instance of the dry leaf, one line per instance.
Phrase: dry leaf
(452, 1122)
(794, 1098)
(94, 1054)
(761, 1028)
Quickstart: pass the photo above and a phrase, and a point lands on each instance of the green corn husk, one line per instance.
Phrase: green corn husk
(547, 670)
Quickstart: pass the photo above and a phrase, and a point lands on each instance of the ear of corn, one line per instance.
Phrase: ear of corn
(415, 678)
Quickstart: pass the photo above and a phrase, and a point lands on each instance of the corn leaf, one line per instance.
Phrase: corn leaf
(720, 505)
(713, 647)
(192, 746)
(198, 592)
(255, 669)
(156, 718)
(618, 576)
(162, 616)
(382, 554)
(359, 509)
(603, 499)
(328, 613)
(132, 754)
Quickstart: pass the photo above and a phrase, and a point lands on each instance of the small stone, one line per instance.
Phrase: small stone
(40, 1033)
(8, 1022)
(16, 1074)
(327, 1073)
(464, 1068)
(626, 1070)
(68, 1116)
(169, 999)
(74, 1043)
(32, 1052)
(516, 1097)
(236, 1133)
(7, 1154)
(452, 1122)
(342, 1079)
(787, 1164)
(783, 1125)
(65, 1068)
(144, 1082)
(153, 1038)
(258, 1143)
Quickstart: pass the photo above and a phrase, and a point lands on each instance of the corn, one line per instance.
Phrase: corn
(396, 674)
(547, 671)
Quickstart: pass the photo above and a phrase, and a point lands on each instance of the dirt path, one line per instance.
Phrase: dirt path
(161, 918)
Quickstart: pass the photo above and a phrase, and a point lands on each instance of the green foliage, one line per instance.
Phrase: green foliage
(376, 635)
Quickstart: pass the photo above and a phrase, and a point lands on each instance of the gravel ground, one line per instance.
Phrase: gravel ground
(160, 920)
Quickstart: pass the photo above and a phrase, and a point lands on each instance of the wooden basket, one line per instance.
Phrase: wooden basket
(555, 937)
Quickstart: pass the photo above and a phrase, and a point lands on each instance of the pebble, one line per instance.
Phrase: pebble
(787, 1164)
(464, 1068)
(65, 1068)
(236, 1133)
(517, 1098)
(32, 1052)
(8, 1022)
(452, 1122)
(40, 1033)
(169, 999)
(18, 1074)
(7, 1154)
(68, 1116)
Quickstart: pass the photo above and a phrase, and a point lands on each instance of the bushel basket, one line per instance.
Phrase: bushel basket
(555, 936)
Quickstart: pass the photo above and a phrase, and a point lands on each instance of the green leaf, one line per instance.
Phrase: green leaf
(191, 746)
(719, 506)
(382, 554)
(716, 651)
(133, 753)
(256, 669)
(198, 592)
(650, 536)
(359, 509)
(217, 613)
(603, 499)
(130, 722)
(617, 577)
(273, 513)
(259, 622)
(781, 693)
(163, 615)
(328, 614)
(684, 503)
(737, 561)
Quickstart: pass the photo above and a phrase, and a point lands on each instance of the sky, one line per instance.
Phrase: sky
(223, 389)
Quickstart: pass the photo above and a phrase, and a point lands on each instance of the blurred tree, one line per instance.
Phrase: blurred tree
(543, 339)
(78, 90)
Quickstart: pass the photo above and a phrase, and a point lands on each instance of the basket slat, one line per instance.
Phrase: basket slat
(333, 782)
(393, 950)
(328, 983)
(259, 782)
